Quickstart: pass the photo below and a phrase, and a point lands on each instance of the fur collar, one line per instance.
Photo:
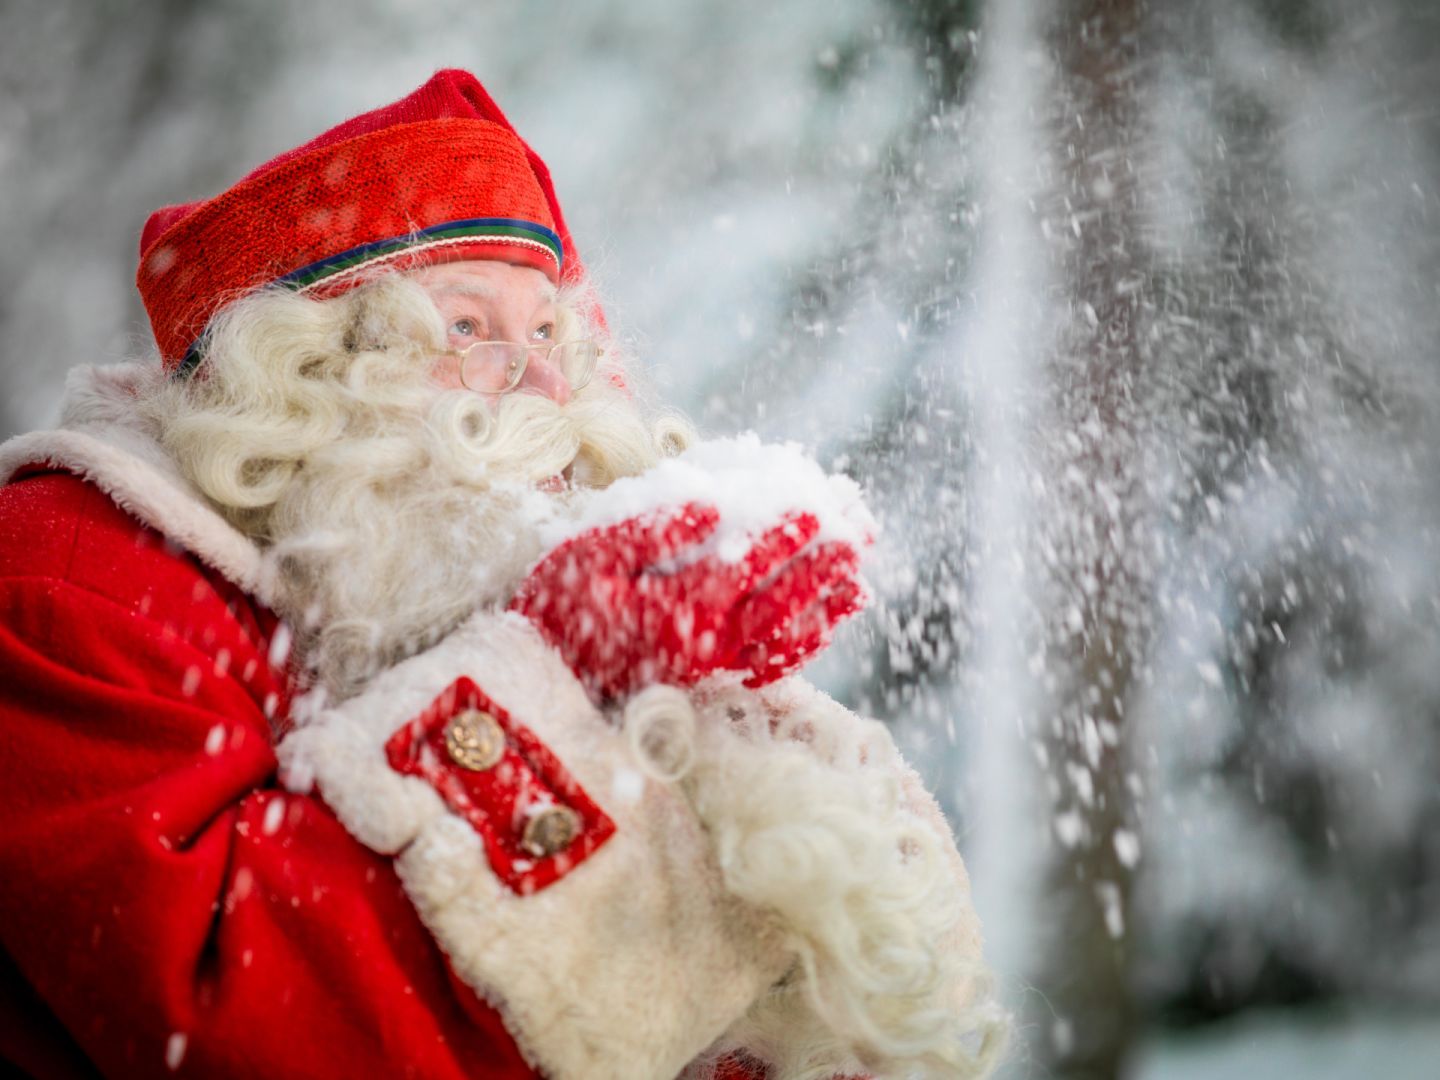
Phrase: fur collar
(103, 440)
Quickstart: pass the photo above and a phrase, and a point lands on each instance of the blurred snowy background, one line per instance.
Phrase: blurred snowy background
(1125, 314)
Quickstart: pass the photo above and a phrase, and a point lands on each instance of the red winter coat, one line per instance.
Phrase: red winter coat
(165, 908)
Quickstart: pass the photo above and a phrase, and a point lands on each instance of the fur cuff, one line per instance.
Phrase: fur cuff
(627, 965)
(817, 819)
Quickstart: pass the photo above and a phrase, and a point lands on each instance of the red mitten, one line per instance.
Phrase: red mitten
(626, 610)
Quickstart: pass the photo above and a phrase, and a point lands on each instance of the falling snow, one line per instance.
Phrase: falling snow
(1139, 380)
(175, 1047)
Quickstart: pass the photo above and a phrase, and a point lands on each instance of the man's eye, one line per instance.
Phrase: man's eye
(463, 327)
(544, 333)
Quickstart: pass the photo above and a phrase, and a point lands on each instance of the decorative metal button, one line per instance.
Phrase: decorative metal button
(550, 831)
(475, 740)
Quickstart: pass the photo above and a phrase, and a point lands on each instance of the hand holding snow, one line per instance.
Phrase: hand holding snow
(738, 557)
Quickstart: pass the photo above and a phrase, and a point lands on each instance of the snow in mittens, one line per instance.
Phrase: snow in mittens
(752, 484)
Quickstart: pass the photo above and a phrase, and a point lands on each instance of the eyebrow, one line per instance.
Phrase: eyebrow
(466, 288)
(486, 292)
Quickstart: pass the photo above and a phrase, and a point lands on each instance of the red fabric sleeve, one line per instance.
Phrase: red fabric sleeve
(163, 904)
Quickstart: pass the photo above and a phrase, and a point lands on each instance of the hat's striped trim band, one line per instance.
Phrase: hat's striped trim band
(495, 230)
(509, 241)
(498, 229)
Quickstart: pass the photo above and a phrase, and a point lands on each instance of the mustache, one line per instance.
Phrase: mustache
(592, 439)
(524, 437)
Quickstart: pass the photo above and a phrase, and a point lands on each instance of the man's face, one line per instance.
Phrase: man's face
(484, 300)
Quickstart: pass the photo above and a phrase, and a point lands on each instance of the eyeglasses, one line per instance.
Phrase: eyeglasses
(496, 367)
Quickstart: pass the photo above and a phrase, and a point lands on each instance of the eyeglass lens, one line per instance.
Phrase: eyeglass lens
(495, 367)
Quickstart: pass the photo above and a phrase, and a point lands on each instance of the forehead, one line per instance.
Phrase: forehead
(486, 279)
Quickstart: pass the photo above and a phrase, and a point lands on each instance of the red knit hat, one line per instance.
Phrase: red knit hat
(437, 176)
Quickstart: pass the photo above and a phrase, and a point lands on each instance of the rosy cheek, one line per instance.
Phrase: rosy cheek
(445, 373)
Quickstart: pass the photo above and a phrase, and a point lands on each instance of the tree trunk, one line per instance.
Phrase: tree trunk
(1098, 583)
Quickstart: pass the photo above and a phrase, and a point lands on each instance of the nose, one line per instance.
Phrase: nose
(543, 376)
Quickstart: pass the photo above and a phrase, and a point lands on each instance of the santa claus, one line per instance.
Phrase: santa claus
(387, 690)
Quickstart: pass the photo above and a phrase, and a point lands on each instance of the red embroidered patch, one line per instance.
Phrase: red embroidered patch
(536, 822)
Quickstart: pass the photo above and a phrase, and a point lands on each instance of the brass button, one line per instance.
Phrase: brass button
(475, 740)
(550, 831)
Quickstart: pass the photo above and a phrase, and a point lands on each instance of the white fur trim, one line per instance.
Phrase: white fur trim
(836, 835)
(627, 967)
(103, 441)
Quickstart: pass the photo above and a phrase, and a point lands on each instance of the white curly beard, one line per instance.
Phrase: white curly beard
(386, 540)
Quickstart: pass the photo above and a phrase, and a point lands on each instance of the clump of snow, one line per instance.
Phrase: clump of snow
(191, 682)
(1069, 828)
(1108, 893)
(1210, 673)
(280, 645)
(753, 485)
(274, 815)
(1127, 848)
(175, 1047)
